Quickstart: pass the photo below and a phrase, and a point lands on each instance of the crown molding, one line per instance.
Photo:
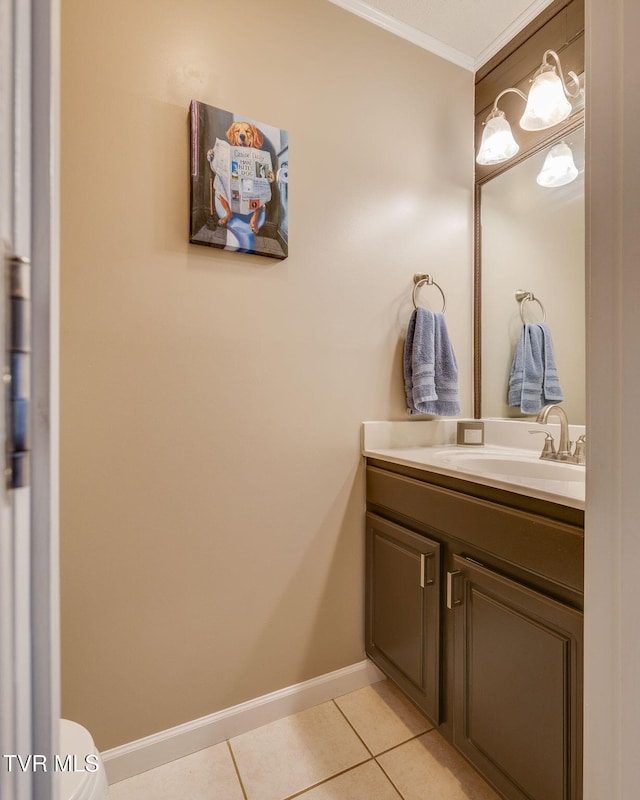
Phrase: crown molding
(508, 33)
(435, 46)
(407, 32)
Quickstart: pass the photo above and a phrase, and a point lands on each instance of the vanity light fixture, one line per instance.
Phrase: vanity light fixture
(546, 106)
(559, 167)
(498, 144)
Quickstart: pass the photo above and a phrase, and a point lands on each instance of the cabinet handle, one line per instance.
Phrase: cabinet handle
(426, 569)
(451, 602)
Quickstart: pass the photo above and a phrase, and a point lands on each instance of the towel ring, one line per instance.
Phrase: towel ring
(422, 277)
(523, 296)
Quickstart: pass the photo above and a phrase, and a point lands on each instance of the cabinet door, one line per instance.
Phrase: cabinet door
(518, 684)
(403, 610)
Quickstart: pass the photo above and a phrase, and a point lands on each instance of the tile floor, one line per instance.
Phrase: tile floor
(371, 744)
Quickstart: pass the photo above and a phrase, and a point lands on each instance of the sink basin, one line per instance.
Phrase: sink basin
(519, 467)
(512, 466)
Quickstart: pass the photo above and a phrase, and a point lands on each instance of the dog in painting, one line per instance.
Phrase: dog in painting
(241, 134)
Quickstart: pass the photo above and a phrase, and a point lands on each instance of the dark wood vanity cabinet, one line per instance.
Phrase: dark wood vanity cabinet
(491, 646)
(403, 610)
(517, 665)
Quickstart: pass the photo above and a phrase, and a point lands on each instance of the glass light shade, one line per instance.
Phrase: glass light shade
(497, 143)
(547, 104)
(559, 167)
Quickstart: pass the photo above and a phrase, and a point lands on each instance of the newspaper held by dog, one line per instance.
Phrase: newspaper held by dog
(242, 176)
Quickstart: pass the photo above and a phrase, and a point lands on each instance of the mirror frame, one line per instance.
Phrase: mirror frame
(556, 133)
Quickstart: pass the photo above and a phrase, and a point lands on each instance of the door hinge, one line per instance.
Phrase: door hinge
(17, 370)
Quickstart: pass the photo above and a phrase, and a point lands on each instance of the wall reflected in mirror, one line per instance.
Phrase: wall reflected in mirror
(533, 239)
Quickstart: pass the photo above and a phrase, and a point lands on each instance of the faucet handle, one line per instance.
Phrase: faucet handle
(548, 449)
(580, 453)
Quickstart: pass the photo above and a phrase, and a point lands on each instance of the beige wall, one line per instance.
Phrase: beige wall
(212, 490)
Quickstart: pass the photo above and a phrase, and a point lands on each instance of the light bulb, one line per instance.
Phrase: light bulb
(497, 143)
(547, 104)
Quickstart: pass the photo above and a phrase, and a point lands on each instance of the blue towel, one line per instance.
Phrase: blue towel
(430, 366)
(533, 382)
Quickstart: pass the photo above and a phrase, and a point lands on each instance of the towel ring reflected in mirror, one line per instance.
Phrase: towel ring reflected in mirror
(423, 278)
(523, 296)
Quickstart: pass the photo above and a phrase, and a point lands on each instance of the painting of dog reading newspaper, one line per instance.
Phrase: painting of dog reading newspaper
(239, 183)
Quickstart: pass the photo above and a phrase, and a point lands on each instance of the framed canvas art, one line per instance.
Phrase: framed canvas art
(239, 183)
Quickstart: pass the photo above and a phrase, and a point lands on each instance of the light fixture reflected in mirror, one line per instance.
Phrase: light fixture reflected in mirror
(559, 167)
(546, 106)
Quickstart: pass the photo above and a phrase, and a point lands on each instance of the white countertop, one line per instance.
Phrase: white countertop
(430, 445)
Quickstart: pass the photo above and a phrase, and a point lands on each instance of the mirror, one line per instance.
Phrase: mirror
(532, 239)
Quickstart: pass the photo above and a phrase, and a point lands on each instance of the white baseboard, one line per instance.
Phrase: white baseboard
(160, 748)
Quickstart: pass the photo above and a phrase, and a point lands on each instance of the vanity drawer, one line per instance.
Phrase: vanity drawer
(547, 548)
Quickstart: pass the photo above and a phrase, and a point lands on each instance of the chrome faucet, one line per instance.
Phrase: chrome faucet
(564, 445)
